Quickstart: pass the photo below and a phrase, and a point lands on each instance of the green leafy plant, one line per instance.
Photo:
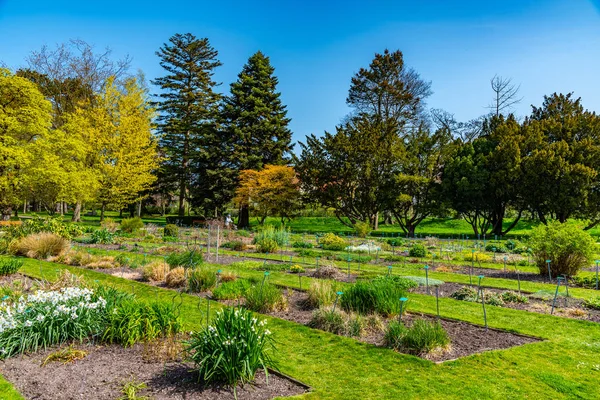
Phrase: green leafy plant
(362, 229)
(132, 225)
(514, 297)
(567, 246)
(235, 245)
(232, 348)
(281, 236)
(39, 224)
(302, 245)
(130, 390)
(330, 241)
(592, 303)
(266, 245)
(417, 250)
(171, 230)
(201, 279)
(265, 297)
(102, 236)
(65, 356)
(381, 296)
(329, 320)
(588, 282)
(395, 241)
(422, 338)
(422, 281)
(9, 267)
(496, 247)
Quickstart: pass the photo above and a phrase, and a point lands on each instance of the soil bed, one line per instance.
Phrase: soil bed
(102, 373)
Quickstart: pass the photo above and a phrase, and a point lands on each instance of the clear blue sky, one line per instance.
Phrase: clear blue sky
(316, 46)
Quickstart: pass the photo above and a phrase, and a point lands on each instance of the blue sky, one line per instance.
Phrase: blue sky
(316, 46)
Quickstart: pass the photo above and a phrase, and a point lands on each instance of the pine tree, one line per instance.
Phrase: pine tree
(187, 108)
(256, 121)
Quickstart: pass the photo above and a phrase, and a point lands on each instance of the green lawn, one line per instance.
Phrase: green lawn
(564, 366)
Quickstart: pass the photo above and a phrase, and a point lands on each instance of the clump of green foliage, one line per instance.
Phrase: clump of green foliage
(338, 322)
(231, 290)
(231, 349)
(395, 241)
(496, 247)
(102, 236)
(235, 245)
(39, 224)
(330, 241)
(201, 279)
(417, 250)
(320, 293)
(132, 225)
(265, 297)
(302, 245)
(514, 297)
(296, 269)
(380, 295)
(267, 246)
(362, 229)
(9, 267)
(468, 293)
(187, 259)
(171, 230)
(569, 248)
(281, 236)
(592, 303)
(421, 338)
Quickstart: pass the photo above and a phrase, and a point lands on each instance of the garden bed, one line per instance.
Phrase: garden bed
(103, 372)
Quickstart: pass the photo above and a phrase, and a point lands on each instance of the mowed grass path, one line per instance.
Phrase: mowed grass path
(564, 366)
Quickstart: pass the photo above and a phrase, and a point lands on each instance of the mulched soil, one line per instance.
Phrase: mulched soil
(102, 373)
(466, 338)
(564, 307)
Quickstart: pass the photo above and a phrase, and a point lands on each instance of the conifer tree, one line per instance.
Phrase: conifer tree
(187, 107)
(256, 122)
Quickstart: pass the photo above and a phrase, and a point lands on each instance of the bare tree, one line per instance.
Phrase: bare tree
(466, 131)
(505, 94)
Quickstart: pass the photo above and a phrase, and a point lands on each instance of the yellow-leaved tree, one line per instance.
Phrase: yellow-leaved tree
(25, 119)
(271, 191)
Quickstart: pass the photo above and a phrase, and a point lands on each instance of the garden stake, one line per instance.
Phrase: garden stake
(471, 269)
(555, 294)
(300, 279)
(479, 288)
(337, 296)
(218, 278)
(317, 258)
(504, 265)
(348, 268)
(427, 278)
(518, 279)
(484, 313)
(207, 311)
(402, 301)
(549, 273)
(566, 287)
(597, 274)
(437, 301)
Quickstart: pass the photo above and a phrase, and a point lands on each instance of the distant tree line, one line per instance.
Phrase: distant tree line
(77, 128)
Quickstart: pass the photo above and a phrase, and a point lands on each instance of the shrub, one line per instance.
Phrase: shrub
(302, 245)
(266, 246)
(512, 244)
(187, 259)
(330, 241)
(477, 257)
(417, 250)
(131, 225)
(468, 293)
(395, 241)
(9, 267)
(296, 269)
(235, 245)
(49, 225)
(175, 277)
(201, 279)
(231, 290)
(102, 236)
(588, 282)
(264, 298)
(41, 245)
(134, 321)
(155, 271)
(281, 236)
(423, 337)
(320, 294)
(171, 230)
(497, 247)
(568, 246)
(232, 348)
(381, 295)
(329, 320)
(513, 297)
(362, 229)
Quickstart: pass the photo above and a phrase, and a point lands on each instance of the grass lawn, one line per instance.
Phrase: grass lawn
(564, 366)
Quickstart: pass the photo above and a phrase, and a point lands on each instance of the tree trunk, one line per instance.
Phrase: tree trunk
(77, 212)
(244, 218)
(411, 230)
(102, 209)
(6, 213)
(25, 207)
(376, 221)
(139, 209)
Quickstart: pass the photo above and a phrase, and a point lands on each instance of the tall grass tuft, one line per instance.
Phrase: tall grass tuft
(187, 259)
(9, 267)
(422, 338)
(265, 297)
(201, 279)
(40, 245)
(320, 294)
(380, 295)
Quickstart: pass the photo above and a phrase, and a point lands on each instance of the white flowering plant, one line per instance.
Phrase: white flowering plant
(232, 348)
(45, 318)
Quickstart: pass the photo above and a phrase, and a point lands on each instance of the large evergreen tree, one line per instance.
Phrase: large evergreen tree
(256, 123)
(187, 108)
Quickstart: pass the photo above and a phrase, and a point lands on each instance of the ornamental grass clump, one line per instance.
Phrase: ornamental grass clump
(201, 279)
(232, 349)
(231, 290)
(40, 245)
(187, 259)
(380, 295)
(320, 294)
(9, 267)
(339, 322)
(421, 338)
(265, 297)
